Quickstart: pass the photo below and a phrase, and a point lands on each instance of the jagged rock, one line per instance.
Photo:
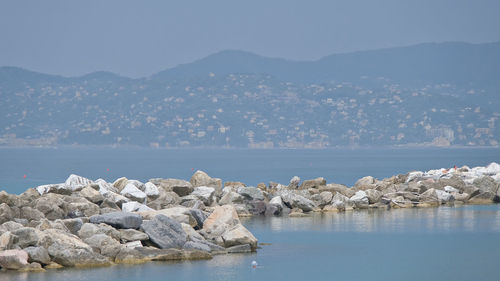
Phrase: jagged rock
(322, 199)
(79, 207)
(256, 207)
(235, 184)
(180, 187)
(239, 235)
(133, 244)
(180, 214)
(120, 183)
(92, 195)
(89, 229)
(201, 178)
(135, 207)
(11, 200)
(416, 175)
(360, 199)
(104, 245)
(133, 193)
(334, 188)
(486, 184)
(6, 213)
(294, 200)
(26, 236)
(294, 183)
(205, 194)
(105, 187)
(166, 199)
(373, 195)
(450, 189)
(251, 193)
(75, 182)
(38, 254)
(444, 197)
(117, 199)
(482, 198)
(7, 240)
(191, 245)
(73, 225)
(31, 214)
(109, 204)
(30, 195)
(314, 183)
(164, 232)
(275, 207)
(199, 216)
(51, 206)
(137, 184)
(10, 226)
(429, 196)
(66, 249)
(13, 259)
(231, 198)
(128, 235)
(151, 190)
(119, 220)
(261, 186)
(340, 202)
(221, 219)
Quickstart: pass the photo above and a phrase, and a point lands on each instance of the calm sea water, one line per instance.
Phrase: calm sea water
(446, 243)
(54, 165)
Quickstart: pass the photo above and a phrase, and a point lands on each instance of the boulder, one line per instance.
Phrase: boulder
(31, 214)
(365, 183)
(7, 240)
(192, 245)
(104, 245)
(151, 190)
(180, 187)
(26, 236)
(117, 199)
(338, 188)
(205, 194)
(38, 254)
(231, 198)
(165, 200)
(133, 193)
(239, 235)
(79, 207)
(128, 235)
(201, 178)
(10, 226)
(221, 219)
(13, 259)
(92, 195)
(199, 216)
(89, 229)
(67, 250)
(450, 189)
(105, 187)
(294, 200)
(6, 213)
(164, 232)
(256, 207)
(76, 183)
(374, 196)
(482, 198)
(444, 197)
(251, 193)
(314, 183)
(294, 183)
(134, 206)
(120, 183)
(73, 225)
(429, 196)
(323, 198)
(486, 184)
(119, 220)
(180, 214)
(360, 199)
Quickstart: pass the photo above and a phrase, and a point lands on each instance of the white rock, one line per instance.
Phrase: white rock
(151, 190)
(133, 244)
(205, 194)
(444, 196)
(276, 201)
(450, 189)
(132, 192)
(414, 175)
(493, 169)
(135, 207)
(77, 182)
(105, 187)
(360, 199)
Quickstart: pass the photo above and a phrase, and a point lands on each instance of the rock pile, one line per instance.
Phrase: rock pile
(95, 223)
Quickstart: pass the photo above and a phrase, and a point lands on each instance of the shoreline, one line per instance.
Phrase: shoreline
(86, 223)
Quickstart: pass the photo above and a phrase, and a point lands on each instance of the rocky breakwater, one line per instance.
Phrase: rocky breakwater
(95, 223)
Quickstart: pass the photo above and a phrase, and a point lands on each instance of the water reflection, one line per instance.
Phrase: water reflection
(443, 219)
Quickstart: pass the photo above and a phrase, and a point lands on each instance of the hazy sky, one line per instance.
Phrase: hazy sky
(139, 38)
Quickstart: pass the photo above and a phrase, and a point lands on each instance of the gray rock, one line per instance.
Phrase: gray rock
(444, 197)
(10, 226)
(166, 199)
(119, 220)
(73, 225)
(75, 183)
(294, 200)
(365, 183)
(486, 184)
(118, 199)
(128, 235)
(273, 209)
(191, 245)
(31, 214)
(239, 235)
(89, 229)
(80, 207)
(51, 206)
(323, 198)
(231, 198)
(205, 194)
(165, 232)
(342, 189)
(199, 217)
(251, 193)
(256, 207)
(6, 213)
(374, 196)
(180, 187)
(38, 254)
(104, 245)
(7, 240)
(26, 236)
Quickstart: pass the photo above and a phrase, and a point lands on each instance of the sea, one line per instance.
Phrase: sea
(446, 243)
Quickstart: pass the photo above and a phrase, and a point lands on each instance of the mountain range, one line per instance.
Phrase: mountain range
(442, 94)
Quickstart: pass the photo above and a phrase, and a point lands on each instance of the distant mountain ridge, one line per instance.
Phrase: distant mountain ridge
(426, 94)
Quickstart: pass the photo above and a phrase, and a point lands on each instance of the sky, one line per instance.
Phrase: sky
(140, 38)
